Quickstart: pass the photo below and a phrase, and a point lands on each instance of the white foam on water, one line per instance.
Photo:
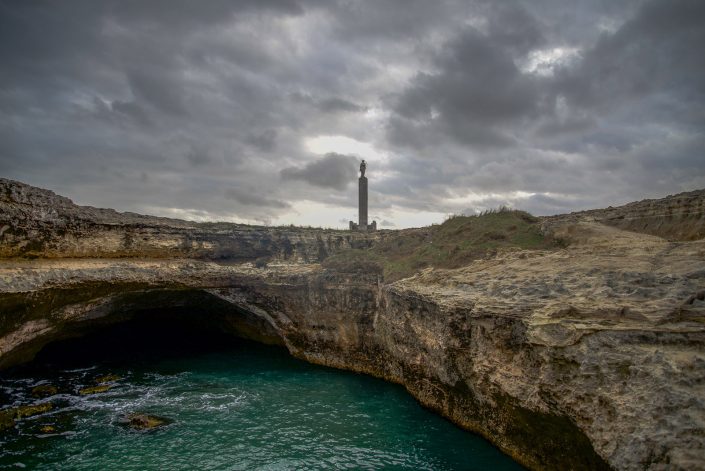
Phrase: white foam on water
(80, 370)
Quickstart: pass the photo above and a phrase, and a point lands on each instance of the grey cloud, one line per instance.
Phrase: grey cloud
(390, 19)
(512, 27)
(198, 155)
(339, 104)
(331, 171)
(159, 90)
(641, 81)
(574, 124)
(248, 196)
(184, 13)
(329, 104)
(131, 110)
(537, 204)
(265, 141)
(476, 94)
(622, 93)
(540, 204)
(652, 52)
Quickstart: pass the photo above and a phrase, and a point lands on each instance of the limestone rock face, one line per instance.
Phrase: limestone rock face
(37, 223)
(588, 357)
(676, 217)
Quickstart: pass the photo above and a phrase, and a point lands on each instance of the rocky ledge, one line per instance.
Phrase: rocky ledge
(37, 223)
(585, 357)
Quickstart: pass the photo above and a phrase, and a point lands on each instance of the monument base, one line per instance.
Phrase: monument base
(363, 227)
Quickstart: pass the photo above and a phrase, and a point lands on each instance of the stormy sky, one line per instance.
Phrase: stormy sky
(259, 111)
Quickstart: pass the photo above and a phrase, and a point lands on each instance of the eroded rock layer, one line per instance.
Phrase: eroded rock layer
(676, 217)
(587, 357)
(36, 223)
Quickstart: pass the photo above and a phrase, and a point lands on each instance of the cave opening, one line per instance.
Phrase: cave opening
(149, 325)
(148, 335)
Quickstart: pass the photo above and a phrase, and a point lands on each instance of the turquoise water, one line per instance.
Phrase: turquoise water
(234, 405)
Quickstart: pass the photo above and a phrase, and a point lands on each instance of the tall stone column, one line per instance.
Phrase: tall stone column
(362, 224)
(362, 214)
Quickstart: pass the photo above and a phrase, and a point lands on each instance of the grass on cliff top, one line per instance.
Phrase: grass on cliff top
(453, 244)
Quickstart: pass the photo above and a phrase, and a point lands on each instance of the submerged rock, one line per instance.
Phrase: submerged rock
(32, 409)
(7, 419)
(47, 429)
(139, 421)
(110, 378)
(8, 416)
(94, 389)
(44, 390)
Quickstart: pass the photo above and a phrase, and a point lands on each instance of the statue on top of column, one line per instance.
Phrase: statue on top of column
(363, 167)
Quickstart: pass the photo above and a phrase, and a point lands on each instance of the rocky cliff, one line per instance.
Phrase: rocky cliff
(36, 223)
(586, 357)
(675, 217)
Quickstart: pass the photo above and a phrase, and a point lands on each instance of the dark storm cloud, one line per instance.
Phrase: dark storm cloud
(250, 197)
(208, 109)
(390, 19)
(329, 104)
(478, 90)
(654, 52)
(331, 171)
(338, 104)
(512, 28)
(635, 92)
(155, 89)
(127, 109)
(265, 140)
(187, 14)
(198, 155)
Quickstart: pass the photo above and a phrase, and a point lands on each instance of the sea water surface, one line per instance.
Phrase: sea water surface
(234, 405)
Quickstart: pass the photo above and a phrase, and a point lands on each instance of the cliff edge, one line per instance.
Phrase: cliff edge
(37, 223)
(582, 350)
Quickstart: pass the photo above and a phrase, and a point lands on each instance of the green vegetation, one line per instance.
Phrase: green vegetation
(455, 243)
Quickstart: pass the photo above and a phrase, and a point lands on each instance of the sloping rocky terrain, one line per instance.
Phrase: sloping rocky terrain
(38, 223)
(675, 217)
(590, 355)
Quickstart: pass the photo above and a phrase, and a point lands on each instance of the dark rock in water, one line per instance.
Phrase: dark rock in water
(7, 419)
(111, 378)
(31, 409)
(47, 429)
(144, 421)
(8, 416)
(94, 389)
(44, 390)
